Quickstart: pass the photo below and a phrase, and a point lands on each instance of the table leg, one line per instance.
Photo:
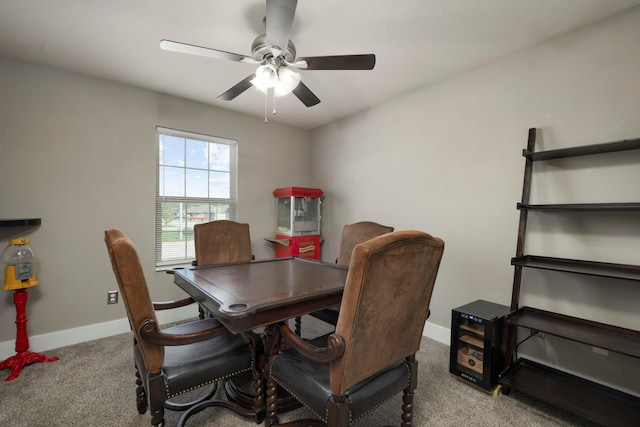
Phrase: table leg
(240, 387)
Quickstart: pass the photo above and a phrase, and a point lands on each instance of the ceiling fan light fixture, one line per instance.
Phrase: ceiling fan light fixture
(288, 80)
(266, 77)
(283, 80)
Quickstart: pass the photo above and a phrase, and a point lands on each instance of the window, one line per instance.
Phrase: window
(196, 182)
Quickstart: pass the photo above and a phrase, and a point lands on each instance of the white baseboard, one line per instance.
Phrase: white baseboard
(438, 333)
(45, 342)
(53, 340)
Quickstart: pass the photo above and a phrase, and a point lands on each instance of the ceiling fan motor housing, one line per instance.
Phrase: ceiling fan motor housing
(260, 51)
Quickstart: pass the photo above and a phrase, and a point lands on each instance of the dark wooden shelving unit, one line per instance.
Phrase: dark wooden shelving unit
(594, 401)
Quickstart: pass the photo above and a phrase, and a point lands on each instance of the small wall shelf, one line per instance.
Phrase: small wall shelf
(15, 222)
(609, 337)
(585, 207)
(591, 268)
(584, 150)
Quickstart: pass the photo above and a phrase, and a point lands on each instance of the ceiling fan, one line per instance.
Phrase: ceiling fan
(275, 56)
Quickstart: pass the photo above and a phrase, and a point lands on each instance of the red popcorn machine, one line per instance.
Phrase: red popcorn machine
(298, 222)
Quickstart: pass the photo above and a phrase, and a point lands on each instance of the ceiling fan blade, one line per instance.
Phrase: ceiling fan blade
(279, 22)
(237, 89)
(203, 51)
(338, 62)
(305, 95)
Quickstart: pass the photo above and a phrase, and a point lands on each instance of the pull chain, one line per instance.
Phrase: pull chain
(266, 100)
(274, 103)
(266, 95)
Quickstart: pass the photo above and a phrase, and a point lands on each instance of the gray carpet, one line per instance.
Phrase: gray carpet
(93, 384)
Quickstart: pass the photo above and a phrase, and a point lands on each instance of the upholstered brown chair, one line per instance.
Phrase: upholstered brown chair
(371, 355)
(352, 234)
(222, 242)
(356, 233)
(177, 359)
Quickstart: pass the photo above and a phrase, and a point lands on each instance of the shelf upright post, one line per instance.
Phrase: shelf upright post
(522, 229)
(522, 225)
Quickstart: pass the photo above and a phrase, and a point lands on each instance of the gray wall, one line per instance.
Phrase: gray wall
(80, 153)
(446, 159)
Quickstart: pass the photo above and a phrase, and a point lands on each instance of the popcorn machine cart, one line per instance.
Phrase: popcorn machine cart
(298, 222)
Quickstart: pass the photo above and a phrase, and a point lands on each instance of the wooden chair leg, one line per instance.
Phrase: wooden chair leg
(407, 408)
(157, 395)
(298, 328)
(271, 403)
(141, 395)
(258, 399)
(407, 393)
(338, 412)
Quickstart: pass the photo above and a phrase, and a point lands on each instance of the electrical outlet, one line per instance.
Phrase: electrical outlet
(112, 297)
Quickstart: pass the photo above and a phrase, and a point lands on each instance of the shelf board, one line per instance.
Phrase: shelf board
(584, 150)
(585, 398)
(476, 331)
(592, 268)
(609, 337)
(476, 342)
(15, 222)
(585, 207)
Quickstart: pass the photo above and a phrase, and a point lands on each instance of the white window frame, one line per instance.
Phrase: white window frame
(183, 219)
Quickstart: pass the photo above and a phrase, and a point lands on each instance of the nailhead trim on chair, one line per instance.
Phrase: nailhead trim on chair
(323, 419)
(382, 402)
(351, 420)
(170, 396)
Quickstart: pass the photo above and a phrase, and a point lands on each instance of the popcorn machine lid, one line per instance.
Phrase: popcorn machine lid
(298, 192)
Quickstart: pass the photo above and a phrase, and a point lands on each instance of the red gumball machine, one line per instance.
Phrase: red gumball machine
(19, 276)
(298, 222)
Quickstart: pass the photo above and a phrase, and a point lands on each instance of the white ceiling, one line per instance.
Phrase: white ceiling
(416, 42)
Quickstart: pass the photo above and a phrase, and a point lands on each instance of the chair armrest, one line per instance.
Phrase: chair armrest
(333, 350)
(165, 305)
(150, 332)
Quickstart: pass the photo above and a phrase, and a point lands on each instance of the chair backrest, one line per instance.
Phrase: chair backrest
(355, 233)
(222, 242)
(134, 291)
(385, 304)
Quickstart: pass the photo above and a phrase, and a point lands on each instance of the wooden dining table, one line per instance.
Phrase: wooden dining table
(247, 296)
